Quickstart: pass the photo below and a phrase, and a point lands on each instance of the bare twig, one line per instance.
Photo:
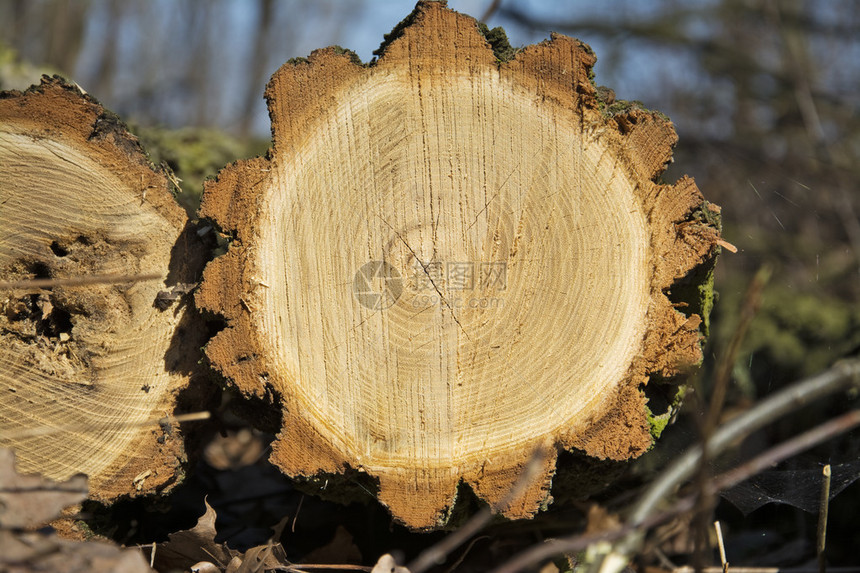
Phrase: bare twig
(79, 281)
(724, 481)
(822, 518)
(723, 561)
(749, 310)
(645, 516)
(838, 378)
(437, 553)
(787, 449)
(456, 564)
(45, 430)
(297, 568)
(295, 517)
(687, 569)
(491, 9)
(575, 543)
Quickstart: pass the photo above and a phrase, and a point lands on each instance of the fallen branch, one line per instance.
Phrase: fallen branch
(622, 542)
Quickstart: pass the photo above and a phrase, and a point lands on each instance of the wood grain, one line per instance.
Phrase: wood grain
(87, 367)
(448, 261)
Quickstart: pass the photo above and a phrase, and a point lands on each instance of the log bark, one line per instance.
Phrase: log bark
(449, 260)
(90, 357)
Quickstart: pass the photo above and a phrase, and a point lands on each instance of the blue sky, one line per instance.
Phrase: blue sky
(356, 25)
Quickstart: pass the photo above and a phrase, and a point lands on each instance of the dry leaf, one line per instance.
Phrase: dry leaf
(261, 558)
(600, 520)
(192, 546)
(30, 500)
(28, 552)
(387, 564)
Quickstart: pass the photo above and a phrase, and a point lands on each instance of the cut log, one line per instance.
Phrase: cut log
(89, 359)
(449, 260)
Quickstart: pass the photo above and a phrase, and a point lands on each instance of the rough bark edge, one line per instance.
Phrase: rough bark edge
(88, 123)
(107, 132)
(562, 70)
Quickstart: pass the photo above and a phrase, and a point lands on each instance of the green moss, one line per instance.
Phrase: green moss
(587, 49)
(395, 33)
(496, 37)
(605, 96)
(707, 296)
(705, 214)
(85, 529)
(694, 293)
(803, 333)
(658, 422)
(297, 60)
(498, 40)
(352, 55)
(656, 425)
(623, 106)
(194, 155)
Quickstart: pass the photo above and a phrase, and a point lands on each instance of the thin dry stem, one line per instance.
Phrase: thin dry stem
(46, 430)
(749, 309)
(822, 518)
(629, 536)
(438, 553)
(78, 281)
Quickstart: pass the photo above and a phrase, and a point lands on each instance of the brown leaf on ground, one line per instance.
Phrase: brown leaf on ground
(31, 500)
(186, 548)
(600, 520)
(27, 552)
(195, 549)
(260, 558)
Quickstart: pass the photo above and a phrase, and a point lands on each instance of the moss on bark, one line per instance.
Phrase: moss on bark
(194, 155)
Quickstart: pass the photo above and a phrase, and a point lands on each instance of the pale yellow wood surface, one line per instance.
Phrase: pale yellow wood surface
(85, 371)
(347, 289)
(453, 370)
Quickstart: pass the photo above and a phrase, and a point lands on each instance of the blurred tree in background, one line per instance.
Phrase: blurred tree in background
(181, 63)
(763, 94)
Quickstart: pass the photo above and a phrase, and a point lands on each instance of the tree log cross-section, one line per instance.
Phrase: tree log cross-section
(90, 235)
(451, 259)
